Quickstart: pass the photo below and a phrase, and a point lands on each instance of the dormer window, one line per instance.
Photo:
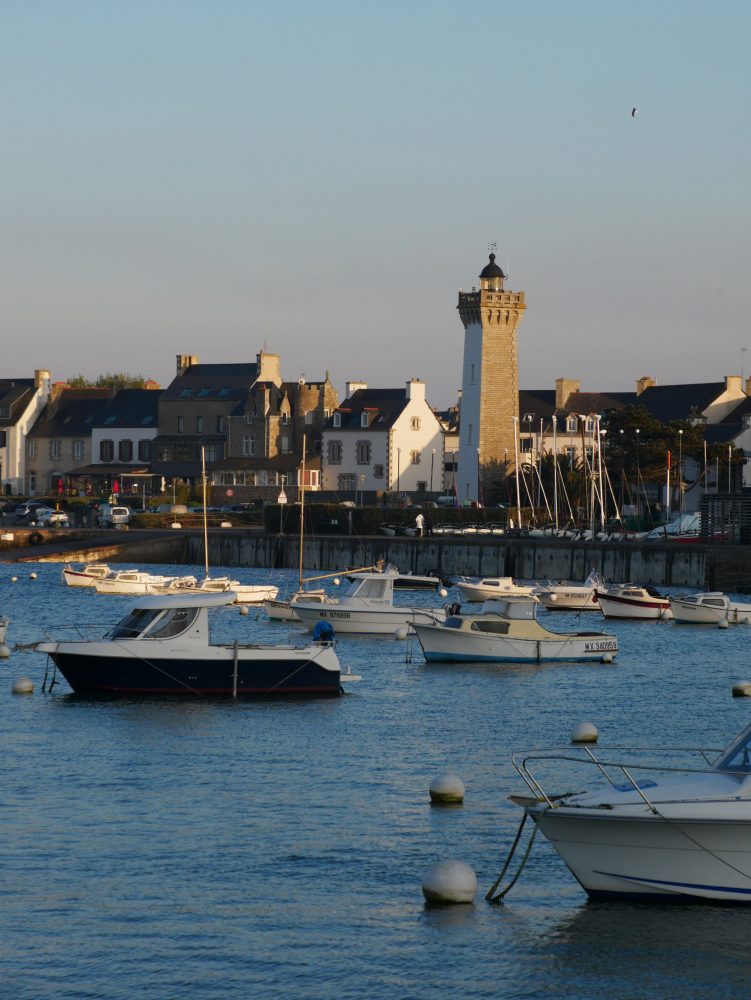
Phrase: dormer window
(337, 420)
(285, 417)
(571, 424)
(364, 420)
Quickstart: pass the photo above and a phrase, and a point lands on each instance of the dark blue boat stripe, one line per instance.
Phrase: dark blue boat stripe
(679, 885)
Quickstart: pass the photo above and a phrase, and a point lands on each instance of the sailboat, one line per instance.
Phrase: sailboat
(284, 611)
(244, 593)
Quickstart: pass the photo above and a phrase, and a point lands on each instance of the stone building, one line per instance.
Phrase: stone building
(490, 377)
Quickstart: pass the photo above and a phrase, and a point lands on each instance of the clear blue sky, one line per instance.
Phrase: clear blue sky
(202, 177)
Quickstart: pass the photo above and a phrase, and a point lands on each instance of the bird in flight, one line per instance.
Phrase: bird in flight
(634, 112)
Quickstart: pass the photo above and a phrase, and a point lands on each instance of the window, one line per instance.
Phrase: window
(414, 457)
(221, 425)
(337, 420)
(471, 374)
(249, 444)
(589, 425)
(312, 475)
(213, 452)
(309, 417)
(125, 450)
(347, 481)
(286, 446)
(571, 425)
(55, 448)
(180, 425)
(144, 450)
(31, 449)
(78, 449)
(32, 483)
(106, 450)
(377, 472)
(4, 411)
(335, 452)
(422, 487)
(326, 414)
(469, 434)
(364, 420)
(199, 425)
(185, 393)
(415, 423)
(363, 452)
(285, 417)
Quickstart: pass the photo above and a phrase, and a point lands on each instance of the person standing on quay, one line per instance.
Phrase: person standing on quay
(420, 524)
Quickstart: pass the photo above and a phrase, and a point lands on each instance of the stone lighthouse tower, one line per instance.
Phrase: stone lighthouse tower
(490, 377)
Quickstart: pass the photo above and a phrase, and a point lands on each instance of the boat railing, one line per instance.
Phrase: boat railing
(80, 630)
(523, 760)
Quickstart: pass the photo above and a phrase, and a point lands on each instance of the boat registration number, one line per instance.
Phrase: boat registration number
(600, 647)
(334, 614)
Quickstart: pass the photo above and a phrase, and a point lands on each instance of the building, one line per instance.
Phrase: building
(21, 401)
(383, 441)
(490, 377)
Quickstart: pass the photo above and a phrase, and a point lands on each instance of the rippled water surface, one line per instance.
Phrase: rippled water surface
(198, 848)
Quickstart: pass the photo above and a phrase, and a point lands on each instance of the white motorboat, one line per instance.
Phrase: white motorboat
(564, 596)
(132, 582)
(709, 608)
(660, 830)
(491, 586)
(629, 601)
(163, 646)
(507, 631)
(284, 611)
(367, 606)
(245, 593)
(86, 576)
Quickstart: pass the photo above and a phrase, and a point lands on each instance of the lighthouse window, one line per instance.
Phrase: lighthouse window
(472, 374)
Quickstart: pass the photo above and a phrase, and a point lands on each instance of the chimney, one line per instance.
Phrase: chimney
(748, 385)
(645, 382)
(564, 387)
(43, 380)
(269, 368)
(352, 387)
(184, 361)
(733, 383)
(415, 389)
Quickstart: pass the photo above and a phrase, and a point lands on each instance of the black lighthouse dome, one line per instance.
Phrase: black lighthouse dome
(492, 270)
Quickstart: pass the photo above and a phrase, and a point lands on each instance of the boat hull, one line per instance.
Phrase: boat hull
(633, 608)
(701, 614)
(476, 592)
(649, 857)
(568, 600)
(445, 645)
(381, 621)
(260, 672)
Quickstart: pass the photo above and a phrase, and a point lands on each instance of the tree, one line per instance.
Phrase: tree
(114, 380)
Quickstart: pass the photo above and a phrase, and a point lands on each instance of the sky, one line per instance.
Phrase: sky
(322, 177)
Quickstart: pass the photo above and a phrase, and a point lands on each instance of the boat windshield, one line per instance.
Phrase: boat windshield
(373, 589)
(737, 757)
(173, 622)
(134, 624)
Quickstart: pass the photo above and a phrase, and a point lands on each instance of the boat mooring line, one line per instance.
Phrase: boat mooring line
(497, 897)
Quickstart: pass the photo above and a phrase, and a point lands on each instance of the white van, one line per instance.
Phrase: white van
(113, 517)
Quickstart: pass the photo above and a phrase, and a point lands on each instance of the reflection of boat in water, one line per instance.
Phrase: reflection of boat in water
(86, 576)
(629, 601)
(709, 608)
(658, 829)
(163, 646)
(367, 606)
(507, 631)
(564, 596)
(490, 587)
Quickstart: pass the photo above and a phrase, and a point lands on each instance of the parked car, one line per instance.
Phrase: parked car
(47, 518)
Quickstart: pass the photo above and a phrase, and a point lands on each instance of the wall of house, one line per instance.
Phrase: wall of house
(364, 474)
(14, 459)
(426, 442)
(116, 435)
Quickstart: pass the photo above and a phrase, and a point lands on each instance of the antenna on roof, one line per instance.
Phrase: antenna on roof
(507, 266)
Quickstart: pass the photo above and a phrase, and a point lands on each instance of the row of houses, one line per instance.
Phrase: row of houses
(251, 427)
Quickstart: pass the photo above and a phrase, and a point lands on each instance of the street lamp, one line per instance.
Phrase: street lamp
(680, 471)
(281, 500)
(638, 470)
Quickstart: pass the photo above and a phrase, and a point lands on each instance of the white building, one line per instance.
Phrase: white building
(383, 440)
(21, 402)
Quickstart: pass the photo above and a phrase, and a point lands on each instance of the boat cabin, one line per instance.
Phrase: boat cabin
(371, 587)
(165, 617)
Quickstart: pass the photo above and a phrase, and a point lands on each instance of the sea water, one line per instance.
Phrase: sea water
(199, 848)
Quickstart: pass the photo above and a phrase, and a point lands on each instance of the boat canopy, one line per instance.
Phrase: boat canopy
(375, 586)
(520, 608)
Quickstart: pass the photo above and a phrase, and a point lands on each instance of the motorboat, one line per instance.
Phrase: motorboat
(507, 631)
(245, 593)
(561, 595)
(709, 608)
(629, 601)
(284, 611)
(131, 582)
(163, 646)
(668, 825)
(367, 606)
(84, 576)
(489, 587)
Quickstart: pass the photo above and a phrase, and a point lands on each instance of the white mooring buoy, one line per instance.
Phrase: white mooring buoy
(606, 658)
(401, 633)
(585, 732)
(447, 789)
(176, 524)
(337, 582)
(4, 652)
(449, 882)
(723, 624)
(14, 579)
(443, 592)
(742, 689)
(244, 609)
(22, 685)
(32, 576)
(552, 598)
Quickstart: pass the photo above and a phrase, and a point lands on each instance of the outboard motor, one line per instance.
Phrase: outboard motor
(323, 632)
(452, 609)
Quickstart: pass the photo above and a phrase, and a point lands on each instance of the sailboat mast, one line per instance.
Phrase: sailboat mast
(516, 472)
(302, 509)
(205, 515)
(555, 472)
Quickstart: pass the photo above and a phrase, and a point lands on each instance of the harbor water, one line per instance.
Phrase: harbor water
(202, 848)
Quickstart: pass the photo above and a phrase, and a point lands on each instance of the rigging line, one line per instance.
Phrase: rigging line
(677, 825)
(156, 667)
(297, 670)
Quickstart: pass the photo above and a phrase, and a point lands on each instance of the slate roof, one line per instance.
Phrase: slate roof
(678, 402)
(16, 394)
(736, 416)
(599, 402)
(383, 405)
(73, 414)
(222, 381)
(137, 408)
(541, 402)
